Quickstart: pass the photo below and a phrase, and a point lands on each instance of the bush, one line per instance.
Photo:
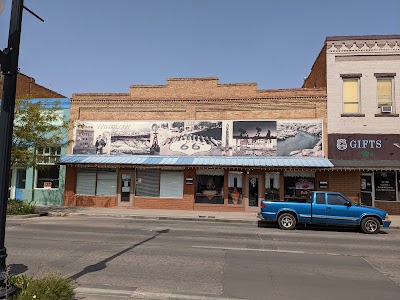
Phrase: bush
(18, 207)
(50, 286)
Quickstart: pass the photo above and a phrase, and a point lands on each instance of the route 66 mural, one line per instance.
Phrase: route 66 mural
(205, 138)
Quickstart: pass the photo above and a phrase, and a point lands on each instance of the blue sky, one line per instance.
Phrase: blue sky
(105, 46)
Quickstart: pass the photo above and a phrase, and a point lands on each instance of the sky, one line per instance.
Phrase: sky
(104, 46)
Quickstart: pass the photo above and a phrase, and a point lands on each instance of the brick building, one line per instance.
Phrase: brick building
(197, 144)
(361, 75)
(28, 88)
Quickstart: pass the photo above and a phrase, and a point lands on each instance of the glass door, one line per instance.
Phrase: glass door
(366, 189)
(126, 188)
(253, 191)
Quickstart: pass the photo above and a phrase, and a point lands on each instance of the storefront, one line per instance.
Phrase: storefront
(195, 144)
(228, 184)
(376, 158)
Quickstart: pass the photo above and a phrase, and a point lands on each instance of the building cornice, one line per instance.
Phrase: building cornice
(364, 47)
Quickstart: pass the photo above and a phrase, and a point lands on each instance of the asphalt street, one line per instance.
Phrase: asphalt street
(166, 259)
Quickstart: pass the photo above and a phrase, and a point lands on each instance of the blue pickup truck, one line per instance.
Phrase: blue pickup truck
(328, 208)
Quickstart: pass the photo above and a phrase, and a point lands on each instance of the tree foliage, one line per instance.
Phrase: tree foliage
(38, 124)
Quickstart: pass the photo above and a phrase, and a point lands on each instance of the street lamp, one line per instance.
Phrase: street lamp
(9, 68)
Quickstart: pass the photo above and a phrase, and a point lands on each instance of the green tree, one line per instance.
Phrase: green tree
(37, 124)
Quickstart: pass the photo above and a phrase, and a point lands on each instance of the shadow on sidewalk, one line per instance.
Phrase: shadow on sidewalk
(103, 264)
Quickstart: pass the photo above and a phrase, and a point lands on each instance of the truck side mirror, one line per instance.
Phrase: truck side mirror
(348, 204)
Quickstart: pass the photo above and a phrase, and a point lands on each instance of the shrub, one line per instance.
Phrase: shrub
(50, 286)
(18, 207)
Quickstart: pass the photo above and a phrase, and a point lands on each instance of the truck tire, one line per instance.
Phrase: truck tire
(287, 221)
(370, 225)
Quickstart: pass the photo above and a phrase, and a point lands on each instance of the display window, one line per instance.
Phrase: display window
(385, 185)
(209, 186)
(235, 188)
(298, 184)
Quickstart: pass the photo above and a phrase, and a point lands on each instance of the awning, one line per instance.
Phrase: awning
(220, 161)
(362, 164)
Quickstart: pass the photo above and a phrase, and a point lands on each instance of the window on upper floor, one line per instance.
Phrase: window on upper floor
(47, 175)
(385, 88)
(351, 95)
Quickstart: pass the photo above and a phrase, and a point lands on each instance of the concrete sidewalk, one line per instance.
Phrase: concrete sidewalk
(160, 214)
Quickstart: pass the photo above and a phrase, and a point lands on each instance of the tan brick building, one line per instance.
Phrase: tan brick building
(196, 144)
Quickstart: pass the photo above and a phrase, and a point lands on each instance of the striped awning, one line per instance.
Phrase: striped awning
(222, 161)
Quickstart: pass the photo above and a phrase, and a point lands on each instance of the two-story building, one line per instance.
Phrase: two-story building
(362, 78)
(44, 185)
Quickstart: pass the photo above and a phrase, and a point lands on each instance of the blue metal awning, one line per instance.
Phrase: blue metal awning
(222, 161)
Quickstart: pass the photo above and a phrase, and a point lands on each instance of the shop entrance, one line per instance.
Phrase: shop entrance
(126, 188)
(253, 191)
(367, 189)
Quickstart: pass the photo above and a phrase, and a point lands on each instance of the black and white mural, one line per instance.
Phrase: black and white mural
(202, 138)
(299, 138)
(149, 137)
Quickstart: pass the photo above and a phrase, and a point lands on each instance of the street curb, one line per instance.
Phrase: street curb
(208, 219)
(154, 218)
(200, 218)
(23, 216)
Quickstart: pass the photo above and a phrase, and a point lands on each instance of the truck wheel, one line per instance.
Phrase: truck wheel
(370, 225)
(287, 221)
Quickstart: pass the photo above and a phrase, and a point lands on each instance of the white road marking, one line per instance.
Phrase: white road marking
(161, 296)
(272, 250)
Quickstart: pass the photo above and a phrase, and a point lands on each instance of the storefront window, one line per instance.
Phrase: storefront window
(171, 184)
(86, 181)
(235, 188)
(210, 187)
(48, 177)
(398, 185)
(147, 182)
(385, 186)
(272, 185)
(298, 184)
(106, 182)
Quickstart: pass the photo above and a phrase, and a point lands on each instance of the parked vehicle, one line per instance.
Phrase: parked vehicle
(328, 208)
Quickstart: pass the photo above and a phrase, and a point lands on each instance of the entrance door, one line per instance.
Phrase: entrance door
(366, 189)
(126, 188)
(20, 184)
(253, 191)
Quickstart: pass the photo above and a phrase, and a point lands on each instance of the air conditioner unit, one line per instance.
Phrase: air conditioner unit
(386, 109)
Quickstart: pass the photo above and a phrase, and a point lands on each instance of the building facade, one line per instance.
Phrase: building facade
(44, 185)
(361, 74)
(197, 144)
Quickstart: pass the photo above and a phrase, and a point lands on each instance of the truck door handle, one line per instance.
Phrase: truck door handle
(329, 207)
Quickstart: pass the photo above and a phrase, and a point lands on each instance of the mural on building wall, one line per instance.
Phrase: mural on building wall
(208, 138)
(299, 138)
(149, 138)
(253, 138)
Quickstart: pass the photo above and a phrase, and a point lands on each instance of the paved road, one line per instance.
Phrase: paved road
(154, 259)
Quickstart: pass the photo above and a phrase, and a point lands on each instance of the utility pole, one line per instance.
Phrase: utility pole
(9, 68)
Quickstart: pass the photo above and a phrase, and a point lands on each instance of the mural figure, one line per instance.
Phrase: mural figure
(100, 144)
